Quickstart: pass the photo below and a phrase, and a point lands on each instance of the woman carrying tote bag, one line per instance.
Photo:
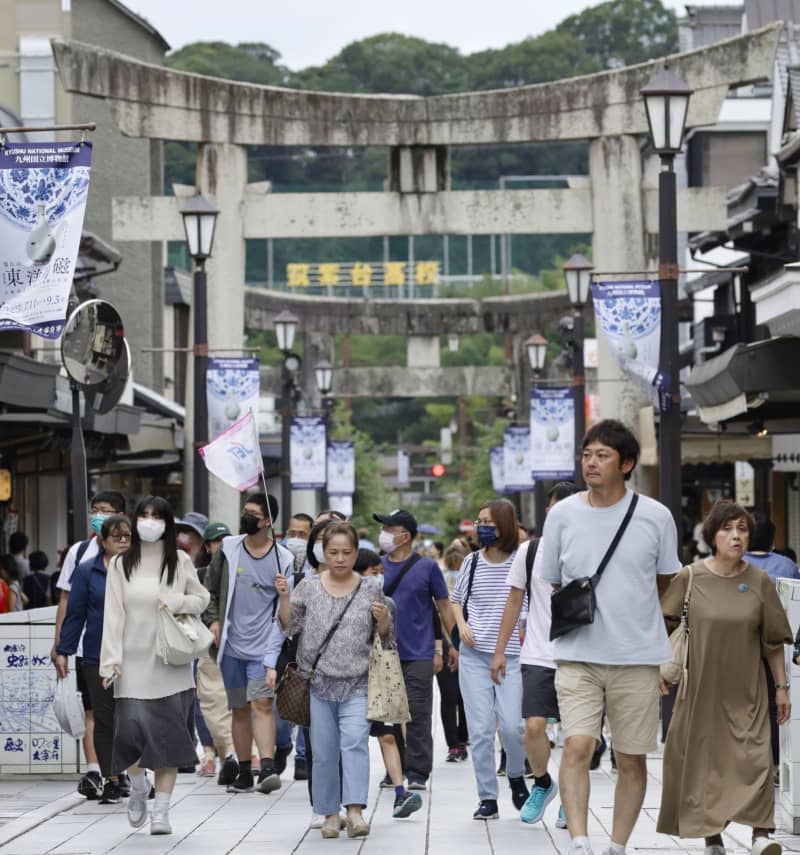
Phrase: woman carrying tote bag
(154, 701)
(338, 688)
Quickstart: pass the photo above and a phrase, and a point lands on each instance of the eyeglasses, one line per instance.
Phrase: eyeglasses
(120, 538)
(484, 522)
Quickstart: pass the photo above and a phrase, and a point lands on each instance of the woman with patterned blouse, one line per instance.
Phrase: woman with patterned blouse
(339, 723)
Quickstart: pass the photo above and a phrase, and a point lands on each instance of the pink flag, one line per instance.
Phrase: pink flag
(235, 456)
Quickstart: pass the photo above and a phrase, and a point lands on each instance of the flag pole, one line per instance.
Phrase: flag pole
(261, 470)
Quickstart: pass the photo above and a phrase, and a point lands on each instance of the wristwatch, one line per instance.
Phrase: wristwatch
(783, 686)
(437, 651)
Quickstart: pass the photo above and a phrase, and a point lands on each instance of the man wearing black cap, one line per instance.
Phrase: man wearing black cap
(415, 583)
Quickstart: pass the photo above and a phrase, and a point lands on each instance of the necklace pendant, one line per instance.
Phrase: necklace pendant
(744, 588)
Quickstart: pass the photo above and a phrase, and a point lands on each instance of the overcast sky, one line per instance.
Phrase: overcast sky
(311, 31)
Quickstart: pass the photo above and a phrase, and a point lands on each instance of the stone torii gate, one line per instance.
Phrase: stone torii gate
(617, 204)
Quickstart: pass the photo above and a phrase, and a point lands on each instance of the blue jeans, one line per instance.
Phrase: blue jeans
(300, 745)
(283, 731)
(339, 728)
(490, 707)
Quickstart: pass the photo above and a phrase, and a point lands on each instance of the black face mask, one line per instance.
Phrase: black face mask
(249, 524)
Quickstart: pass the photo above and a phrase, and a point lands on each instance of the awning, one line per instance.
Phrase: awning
(722, 448)
(747, 375)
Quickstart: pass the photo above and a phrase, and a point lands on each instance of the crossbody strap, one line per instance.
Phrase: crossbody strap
(530, 557)
(687, 598)
(403, 570)
(615, 542)
(471, 579)
(335, 626)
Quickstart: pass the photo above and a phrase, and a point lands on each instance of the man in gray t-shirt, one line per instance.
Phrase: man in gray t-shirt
(613, 662)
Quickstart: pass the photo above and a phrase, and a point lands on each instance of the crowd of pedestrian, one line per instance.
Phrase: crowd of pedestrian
(296, 626)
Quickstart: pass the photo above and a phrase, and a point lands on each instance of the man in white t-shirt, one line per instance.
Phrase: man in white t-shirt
(539, 701)
(612, 662)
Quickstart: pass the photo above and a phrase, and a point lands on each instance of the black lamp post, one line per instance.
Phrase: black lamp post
(323, 374)
(578, 276)
(285, 328)
(199, 221)
(536, 345)
(666, 100)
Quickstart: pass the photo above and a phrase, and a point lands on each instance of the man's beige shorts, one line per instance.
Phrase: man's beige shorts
(629, 694)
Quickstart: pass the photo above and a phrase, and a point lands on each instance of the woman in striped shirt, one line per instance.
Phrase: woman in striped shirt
(479, 598)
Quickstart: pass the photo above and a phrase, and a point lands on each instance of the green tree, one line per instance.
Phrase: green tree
(252, 62)
(624, 32)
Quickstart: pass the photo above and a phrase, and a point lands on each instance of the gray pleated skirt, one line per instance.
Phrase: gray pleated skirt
(154, 732)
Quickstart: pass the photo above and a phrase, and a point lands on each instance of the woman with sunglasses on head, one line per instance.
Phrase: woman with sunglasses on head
(479, 598)
(153, 700)
(85, 611)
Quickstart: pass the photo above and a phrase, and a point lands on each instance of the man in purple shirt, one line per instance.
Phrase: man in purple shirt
(417, 586)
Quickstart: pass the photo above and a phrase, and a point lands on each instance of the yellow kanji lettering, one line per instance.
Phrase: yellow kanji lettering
(394, 273)
(297, 275)
(329, 274)
(361, 274)
(426, 272)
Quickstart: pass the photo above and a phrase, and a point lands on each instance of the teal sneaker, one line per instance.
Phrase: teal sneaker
(561, 822)
(539, 798)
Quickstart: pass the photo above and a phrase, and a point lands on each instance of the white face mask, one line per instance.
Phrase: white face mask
(296, 545)
(386, 542)
(319, 552)
(150, 530)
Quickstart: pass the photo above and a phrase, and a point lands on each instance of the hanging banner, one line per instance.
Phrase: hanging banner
(553, 432)
(343, 504)
(496, 465)
(341, 468)
(629, 314)
(235, 455)
(402, 468)
(232, 388)
(43, 190)
(308, 452)
(517, 459)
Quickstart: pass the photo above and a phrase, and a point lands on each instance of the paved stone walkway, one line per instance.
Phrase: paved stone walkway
(208, 821)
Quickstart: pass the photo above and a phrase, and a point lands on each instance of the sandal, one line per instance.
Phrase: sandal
(357, 827)
(330, 828)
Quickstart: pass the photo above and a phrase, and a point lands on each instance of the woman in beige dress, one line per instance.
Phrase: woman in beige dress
(717, 759)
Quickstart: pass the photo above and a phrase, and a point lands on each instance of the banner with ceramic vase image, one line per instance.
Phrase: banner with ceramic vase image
(517, 459)
(233, 386)
(308, 452)
(629, 315)
(553, 432)
(341, 468)
(43, 191)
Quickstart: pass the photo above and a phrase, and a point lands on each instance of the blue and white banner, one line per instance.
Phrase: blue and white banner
(498, 473)
(43, 190)
(553, 432)
(232, 388)
(629, 314)
(341, 468)
(517, 459)
(343, 504)
(308, 452)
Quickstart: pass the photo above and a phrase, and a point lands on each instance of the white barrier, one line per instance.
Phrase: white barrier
(31, 741)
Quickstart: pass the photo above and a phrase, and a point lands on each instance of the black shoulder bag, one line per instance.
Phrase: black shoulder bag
(455, 635)
(403, 570)
(530, 557)
(574, 605)
(293, 691)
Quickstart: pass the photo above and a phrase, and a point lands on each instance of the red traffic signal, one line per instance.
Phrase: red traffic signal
(437, 470)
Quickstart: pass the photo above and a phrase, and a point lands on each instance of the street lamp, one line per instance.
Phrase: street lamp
(285, 328)
(666, 100)
(199, 222)
(578, 276)
(536, 346)
(323, 374)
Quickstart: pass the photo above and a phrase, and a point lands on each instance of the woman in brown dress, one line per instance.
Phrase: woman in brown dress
(717, 759)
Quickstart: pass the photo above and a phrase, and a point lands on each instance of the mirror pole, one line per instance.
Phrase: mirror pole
(200, 487)
(80, 494)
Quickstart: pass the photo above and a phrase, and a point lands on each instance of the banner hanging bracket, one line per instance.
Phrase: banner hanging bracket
(83, 127)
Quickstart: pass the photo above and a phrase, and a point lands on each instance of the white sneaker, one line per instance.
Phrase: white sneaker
(137, 807)
(159, 823)
(766, 846)
(579, 848)
(317, 820)
(716, 849)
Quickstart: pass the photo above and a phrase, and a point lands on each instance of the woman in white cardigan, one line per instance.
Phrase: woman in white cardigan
(154, 702)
